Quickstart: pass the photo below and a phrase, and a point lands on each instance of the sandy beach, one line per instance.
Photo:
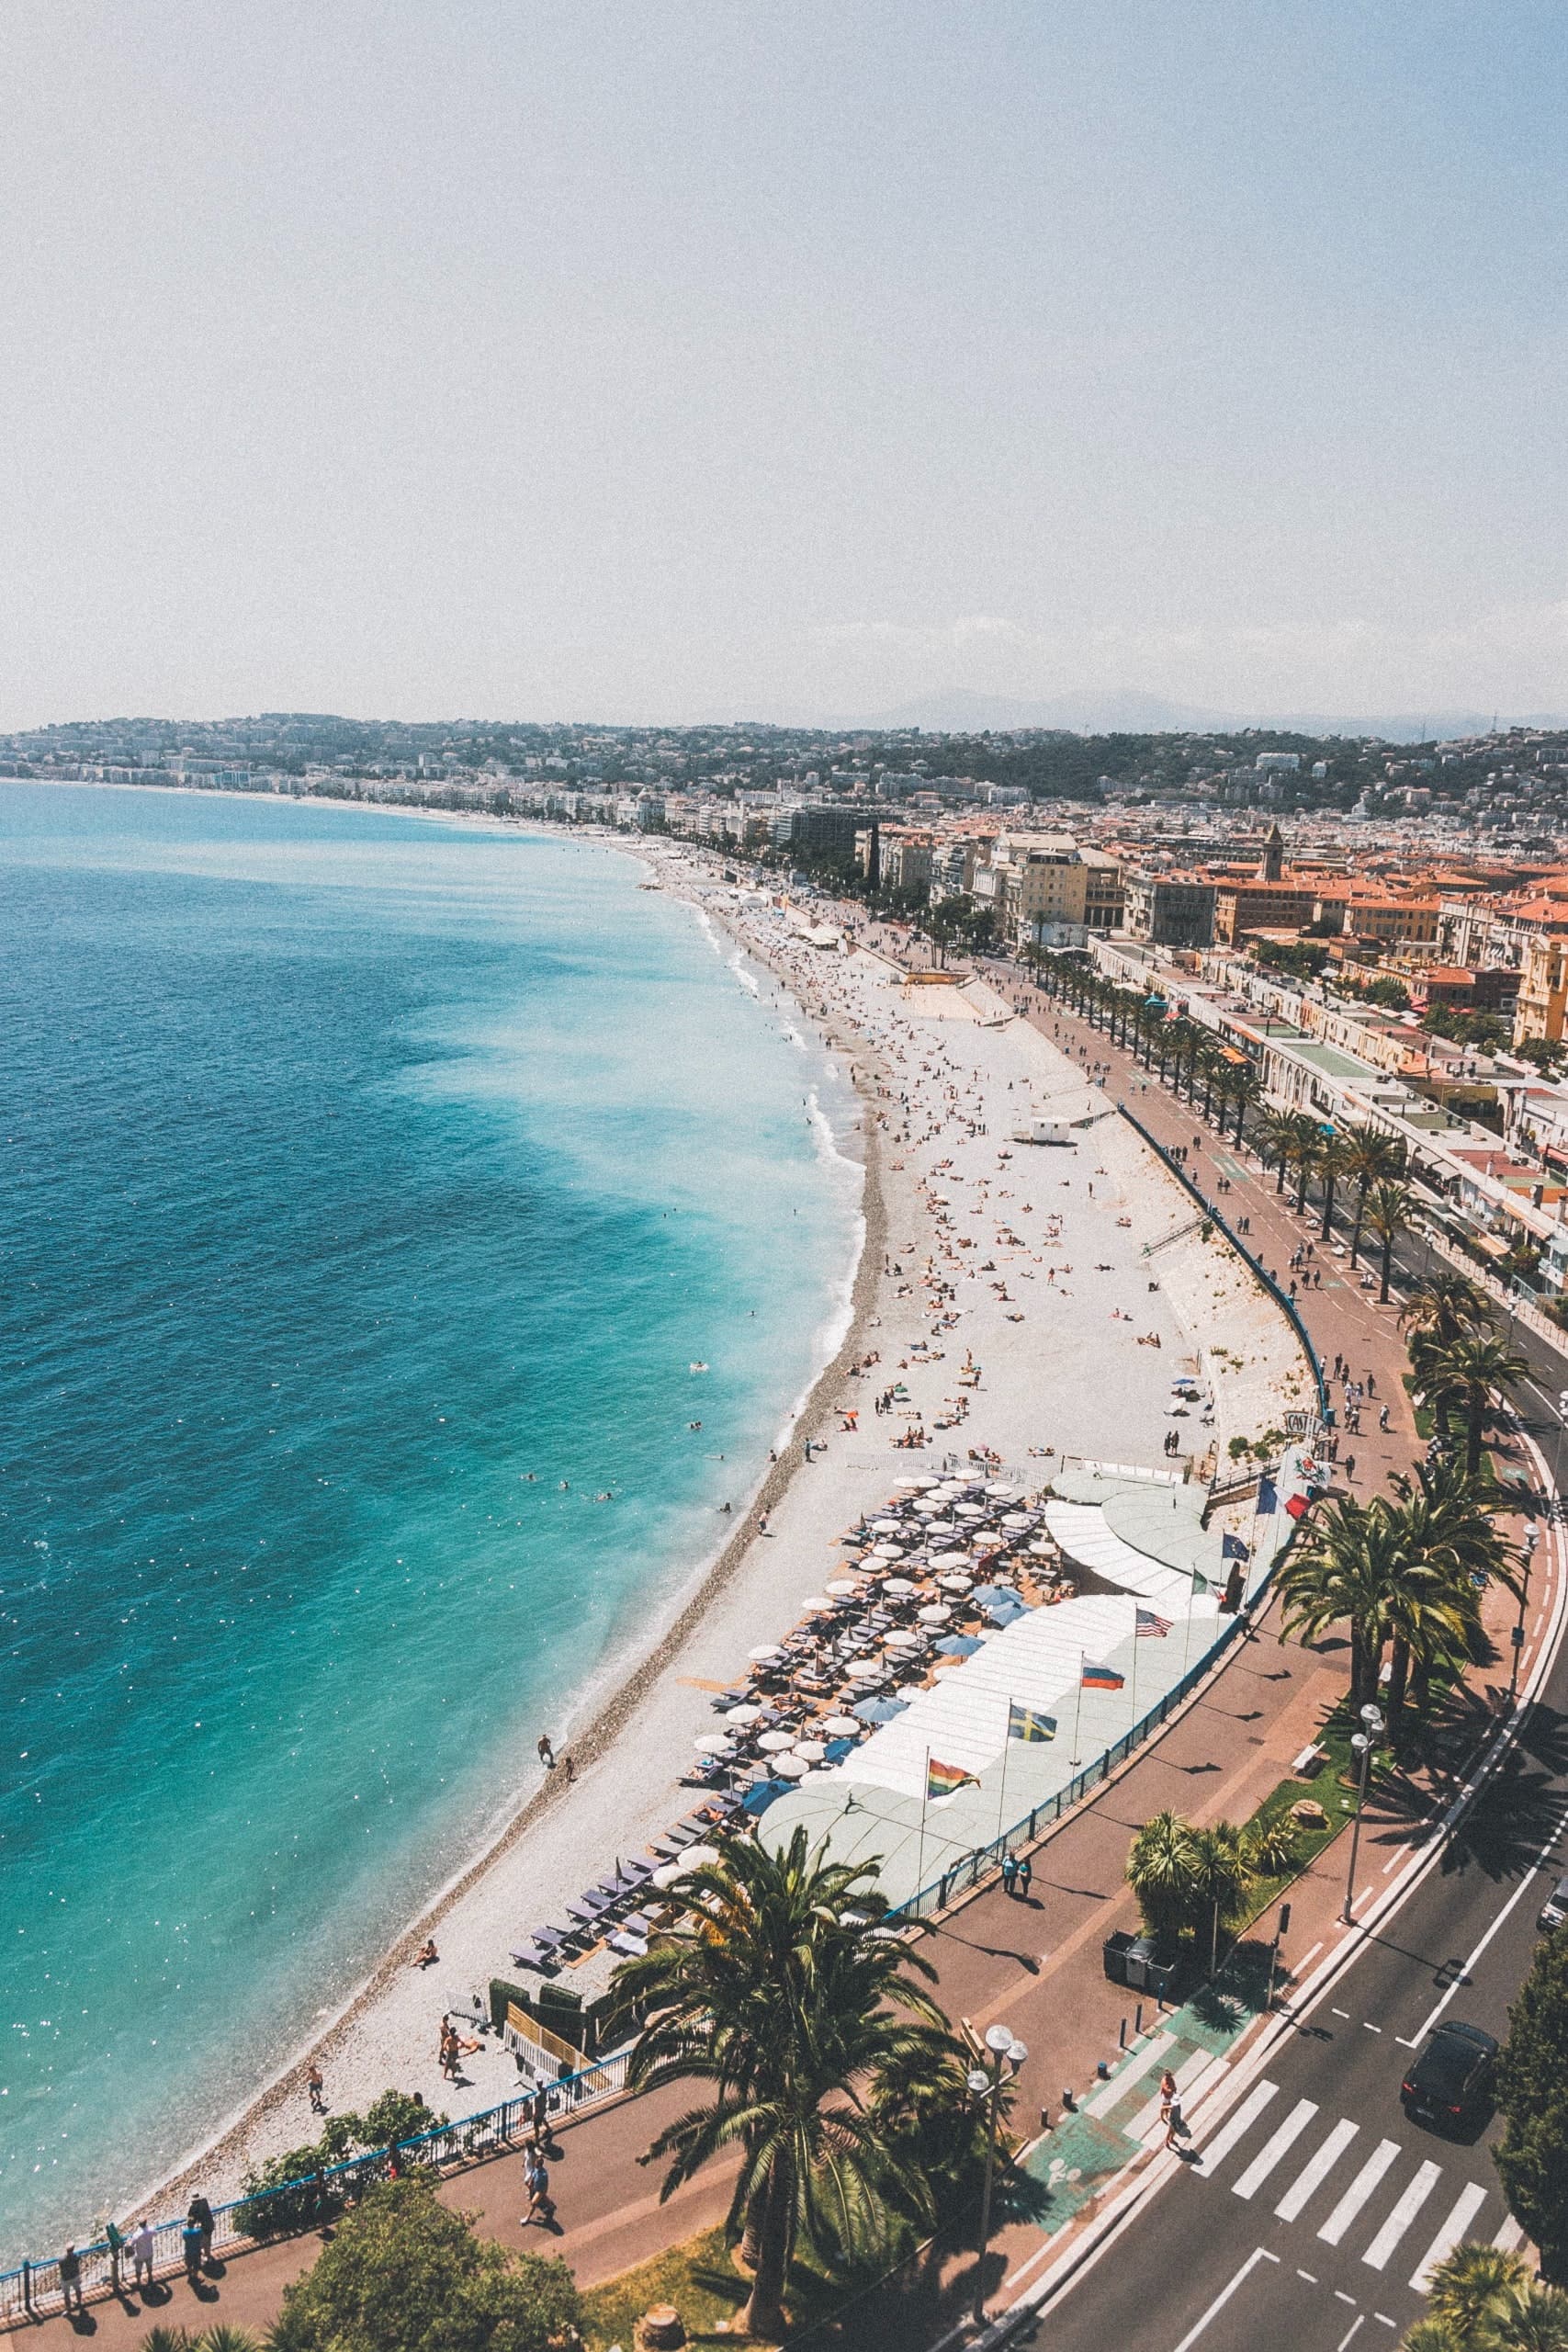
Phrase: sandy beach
(1038, 1268)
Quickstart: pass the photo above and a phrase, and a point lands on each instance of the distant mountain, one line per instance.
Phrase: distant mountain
(1126, 711)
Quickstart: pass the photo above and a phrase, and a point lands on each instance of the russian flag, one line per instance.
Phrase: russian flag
(1101, 1678)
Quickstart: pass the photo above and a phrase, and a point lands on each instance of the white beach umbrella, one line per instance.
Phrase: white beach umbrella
(902, 1642)
(815, 1601)
(955, 1583)
(841, 1726)
(968, 1510)
(742, 1715)
(810, 1751)
(1003, 1492)
(714, 1743)
(667, 1874)
(886, 1526)
(763, 1651)
(926, 1508)
(857, 1666)
(773, 1742)
(1015, 1518)
(951, 1560)
(792, 1768)
(695, 1857)
(937, 1613)
(899, 1585)
(842, 1585)
(886, 1551)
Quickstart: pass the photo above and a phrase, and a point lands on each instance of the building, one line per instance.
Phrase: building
(817, 827)
(1543, 988)
(1168, 910)
(1248, 906)
(1043, 889)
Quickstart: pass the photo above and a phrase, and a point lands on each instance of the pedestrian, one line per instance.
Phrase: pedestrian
(190, 2246)
(1382, 1416)
(569, 1768)
(1349, 1466)
(541, 2117)
(1009, 1873)
(142, 2246)
(200, 2212)
(1167, 2094)
(316, 2086)
(1371, 1385)
(70, 2268)
(537, 2180)
(547, 1753)
(1025, 1878)
(1175, 2128)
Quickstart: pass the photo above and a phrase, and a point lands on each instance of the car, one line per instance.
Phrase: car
(1554, 1910)
(1451, 2081)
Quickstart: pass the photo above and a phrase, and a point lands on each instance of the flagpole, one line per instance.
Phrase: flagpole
(1133, 1725)
(925, 1799)
(1002, 1796)
(1075, 1759)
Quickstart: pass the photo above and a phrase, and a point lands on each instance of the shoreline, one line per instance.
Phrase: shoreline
(636, 1683)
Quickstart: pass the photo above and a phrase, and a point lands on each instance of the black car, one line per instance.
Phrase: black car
(1451, 2080)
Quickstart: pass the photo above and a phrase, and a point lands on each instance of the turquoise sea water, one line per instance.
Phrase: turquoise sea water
(354, 1168)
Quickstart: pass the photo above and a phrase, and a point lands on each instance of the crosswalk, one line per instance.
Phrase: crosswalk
(1346, 2182)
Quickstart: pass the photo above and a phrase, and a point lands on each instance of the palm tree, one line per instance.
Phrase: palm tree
(1390, 1207)
(1304, 1148)
(1194, 1881)
(1333, 1161)
(778, 1991)
(1160, 1873)
(1446, 1520)
(1446, 1304)
(1536, 2321)
(1479, 1372)
(1371, 1158)
(1272, 1134)
(1344, 1574)
(1473, 2286)
(1246, 1093)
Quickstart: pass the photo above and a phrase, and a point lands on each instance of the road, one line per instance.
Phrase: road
(1310, 2209)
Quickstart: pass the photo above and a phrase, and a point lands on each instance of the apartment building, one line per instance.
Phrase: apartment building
(1168, 910)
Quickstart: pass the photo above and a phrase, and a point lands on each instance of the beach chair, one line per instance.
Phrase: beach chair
(629, 1946)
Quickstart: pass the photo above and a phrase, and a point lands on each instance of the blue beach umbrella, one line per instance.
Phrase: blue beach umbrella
(1006, 1612)
(879, 1710)
(988, 1593)
(958, 1645)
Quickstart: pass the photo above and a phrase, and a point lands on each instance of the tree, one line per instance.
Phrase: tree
(1334, 1161)
(1343, 1575)
(404, 2273)
(1304, 1142)
(1193, 1882)
(779, 1993)
(1479, 1373)
(1446, 1304)
(1390, 1207)
(1372, 1157)
(1272, 1134)
(1473, 2286)
(1532, 2091)
(1446, 1523)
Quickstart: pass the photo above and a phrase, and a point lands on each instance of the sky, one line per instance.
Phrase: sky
(428, 358)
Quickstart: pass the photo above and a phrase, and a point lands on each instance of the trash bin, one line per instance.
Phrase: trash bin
(1115, 1953)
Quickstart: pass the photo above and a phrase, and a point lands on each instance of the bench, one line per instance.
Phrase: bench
(1309, 1763)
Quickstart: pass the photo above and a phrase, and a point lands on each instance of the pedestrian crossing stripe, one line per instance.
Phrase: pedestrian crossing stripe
(1410, 2205)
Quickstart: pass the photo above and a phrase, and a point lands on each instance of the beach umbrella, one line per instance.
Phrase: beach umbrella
(792, 1768)
(959, 1644)
(886, 1526)
(714, 1743)
(862, 1666)
(810, 1751)
(955, 1583)
(1016, 1518)
(816, 1600)
(742, 1715)
(1003, 1493)
(951, 1560)
(695, 1857)
(968, 1510)
(936, 1613)
(942, 1527)
(901, 1642)
(842, 1585)
(775, 1742)
(879, 1710)
(900, 1584)
(987, 1594)
(838, 1726)
(886, 1552)
(670, 1874)
(1006, 1612)
(763, 1651)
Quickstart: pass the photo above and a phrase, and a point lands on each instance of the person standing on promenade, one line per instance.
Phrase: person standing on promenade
(200, 2212)
(143, 2247)
(190, 2246)
(1009, 1873)
(537, 2179)
(70, 2268)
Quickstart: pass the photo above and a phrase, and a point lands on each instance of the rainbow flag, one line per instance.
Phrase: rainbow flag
(946, 1780)
(1101, 1678)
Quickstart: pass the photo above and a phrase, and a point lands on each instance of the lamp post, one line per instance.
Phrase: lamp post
(985, 2082)
(1516, 1635)
(1363, 1742)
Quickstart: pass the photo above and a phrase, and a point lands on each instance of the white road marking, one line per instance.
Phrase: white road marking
(1370, 2028)
(1356, 2324)
(1307, 2276)
(1467, 2204)
(1404, 2213)
(1259, 2254)
(1509, 2237)
(1241, 2122)
(1360, 2188)
(1314, 2173)
(1274, 2150)
(1523, 1888)
(1340, 2013)
(1154, 2055)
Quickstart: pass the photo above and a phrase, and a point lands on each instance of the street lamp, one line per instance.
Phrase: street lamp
(1363, 1742)
(1517, 1636)
(985, 2082)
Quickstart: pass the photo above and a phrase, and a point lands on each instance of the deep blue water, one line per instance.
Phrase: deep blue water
(354, 1167)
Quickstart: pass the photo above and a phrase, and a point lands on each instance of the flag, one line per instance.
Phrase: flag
(1296, 1505)
(1232, 1548)
(1146, 1623)
(1027, 1722)
(946, 1780)
(1268, 1500)
(1101, 1678)
(1199, 1585)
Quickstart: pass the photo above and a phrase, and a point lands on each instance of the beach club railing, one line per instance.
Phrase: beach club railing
(33, 2291)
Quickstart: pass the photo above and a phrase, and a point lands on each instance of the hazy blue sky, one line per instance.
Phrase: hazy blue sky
(469, 356)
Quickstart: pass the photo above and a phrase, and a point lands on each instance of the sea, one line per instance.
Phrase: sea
(373, 1189)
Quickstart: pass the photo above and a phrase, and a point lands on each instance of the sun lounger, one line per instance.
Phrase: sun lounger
(631, 1947)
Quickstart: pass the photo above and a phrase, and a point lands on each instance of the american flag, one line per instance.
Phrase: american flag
(1149, 1624)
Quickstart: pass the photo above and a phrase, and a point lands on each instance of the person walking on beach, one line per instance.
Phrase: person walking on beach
(142, 2246)
(547, 1753)
(316, 2086)
(569, 1769)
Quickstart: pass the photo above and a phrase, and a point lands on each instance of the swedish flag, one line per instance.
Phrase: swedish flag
(1027, 1722)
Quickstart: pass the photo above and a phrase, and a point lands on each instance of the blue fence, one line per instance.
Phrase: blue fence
(34, 2291)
